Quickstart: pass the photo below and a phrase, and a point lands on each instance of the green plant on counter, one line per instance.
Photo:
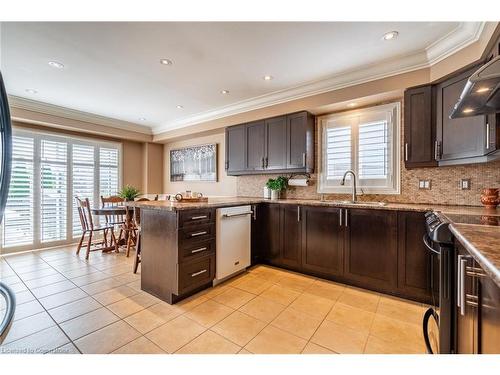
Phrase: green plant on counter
(279, 183)
(129, 193)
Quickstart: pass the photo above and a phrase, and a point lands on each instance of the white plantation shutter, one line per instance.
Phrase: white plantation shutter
(108, 167)
(18, 219)
(53, 178)
(83, 180)
(365, 141)
(48, 171)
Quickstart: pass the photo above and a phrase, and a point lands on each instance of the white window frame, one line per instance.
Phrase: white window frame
(334, 187)
(38, 135)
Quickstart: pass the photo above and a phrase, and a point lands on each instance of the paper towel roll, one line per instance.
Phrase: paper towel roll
(298, 182)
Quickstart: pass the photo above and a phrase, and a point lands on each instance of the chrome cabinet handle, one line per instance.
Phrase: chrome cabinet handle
(198, 234)
(406, 151)
(475, 272)
(199, 217)
(298, 213)
(198, 250)
(267, 162)
(303, 159)
(346, 214)
(436, 150)
(487, 135)
(459, 278)
(262, 163)
(463, 263)
(198, 273)
(235, 215)
(340, 217)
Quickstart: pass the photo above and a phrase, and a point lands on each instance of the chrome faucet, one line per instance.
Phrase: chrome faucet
(353, 183)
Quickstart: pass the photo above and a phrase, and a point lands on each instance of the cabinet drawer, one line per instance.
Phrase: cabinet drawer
(196, 273)
(195, 234)
(196, 250)
(193, 217)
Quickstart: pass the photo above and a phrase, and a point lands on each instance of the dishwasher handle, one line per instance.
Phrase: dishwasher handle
(239, 214)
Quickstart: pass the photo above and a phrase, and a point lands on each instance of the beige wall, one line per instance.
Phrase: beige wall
(225, 186)
(152, 172)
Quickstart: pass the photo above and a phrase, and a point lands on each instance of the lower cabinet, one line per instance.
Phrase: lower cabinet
(371, 250)
(413, 259)
(322, 240)
(377, 249)
(478, 308)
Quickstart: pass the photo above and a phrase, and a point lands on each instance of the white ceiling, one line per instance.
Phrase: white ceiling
(113, 69)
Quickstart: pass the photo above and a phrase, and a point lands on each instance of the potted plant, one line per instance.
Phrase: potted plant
(129, 193)
(276, 185)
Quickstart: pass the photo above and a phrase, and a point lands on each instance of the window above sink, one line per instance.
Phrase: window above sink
(366, 141)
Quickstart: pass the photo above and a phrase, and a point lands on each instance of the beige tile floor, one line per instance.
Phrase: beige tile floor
(69, 305)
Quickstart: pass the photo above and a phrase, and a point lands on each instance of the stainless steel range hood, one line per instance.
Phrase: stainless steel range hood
(481, 94)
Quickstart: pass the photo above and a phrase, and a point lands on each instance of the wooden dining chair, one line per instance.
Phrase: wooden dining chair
(88, 227)
(137, 223)
(114, 220)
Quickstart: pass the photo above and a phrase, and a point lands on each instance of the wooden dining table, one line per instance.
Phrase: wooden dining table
(115, 211)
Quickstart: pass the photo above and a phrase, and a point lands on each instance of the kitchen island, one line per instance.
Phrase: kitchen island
(373, 246)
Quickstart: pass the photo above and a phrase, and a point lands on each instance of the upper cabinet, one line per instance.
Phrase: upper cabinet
(274, 145)
(431, 138)
(419, 128)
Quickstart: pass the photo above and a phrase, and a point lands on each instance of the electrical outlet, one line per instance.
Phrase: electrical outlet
(465, 184)
(424, 184)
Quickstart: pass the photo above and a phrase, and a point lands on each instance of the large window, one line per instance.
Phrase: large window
(365, 141)
(48, 171)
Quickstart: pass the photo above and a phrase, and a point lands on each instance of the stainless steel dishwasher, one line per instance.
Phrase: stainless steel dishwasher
(233, 234)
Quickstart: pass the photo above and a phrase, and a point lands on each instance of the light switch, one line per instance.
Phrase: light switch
(465, 184)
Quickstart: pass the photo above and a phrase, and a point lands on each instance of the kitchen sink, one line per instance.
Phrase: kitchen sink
(376, 204)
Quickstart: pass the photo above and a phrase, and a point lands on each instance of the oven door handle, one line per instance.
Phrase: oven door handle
(427, 244)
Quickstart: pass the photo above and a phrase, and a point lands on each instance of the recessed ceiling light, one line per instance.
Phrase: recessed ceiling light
(390, 35)
(352, 104)
(224, 92)
(31, 91)
(483, 89)
(267, 78)
(56, 64)
(166, 62)
(180, 106)
(142, 119)
(468, 110)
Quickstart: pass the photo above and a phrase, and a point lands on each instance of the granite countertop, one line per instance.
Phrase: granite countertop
(233, 201)
(483, 243)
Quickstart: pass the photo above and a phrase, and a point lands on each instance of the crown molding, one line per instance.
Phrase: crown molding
(463, 35)
(54, 110)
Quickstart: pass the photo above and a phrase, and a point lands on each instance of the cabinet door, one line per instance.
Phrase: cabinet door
(488, 315)
(466, 315)
(322, 240)
(462, 137)
(371, 248)
(270, 216)
(297, 141)
(291, 235)
(235, 148)
(276, 143)
(413, 258)
(419, 128)
(255, 146)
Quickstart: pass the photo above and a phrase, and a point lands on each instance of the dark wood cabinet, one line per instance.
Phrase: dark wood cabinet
(235, 149)
(413, 258)
(274, 145)
(270, 217)
(291, 230)
(478, 308)
(371, 250)
(255, 147)
(300, 141)
(419, 128)
(322, 240)
(276, 130)
(459, 138)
